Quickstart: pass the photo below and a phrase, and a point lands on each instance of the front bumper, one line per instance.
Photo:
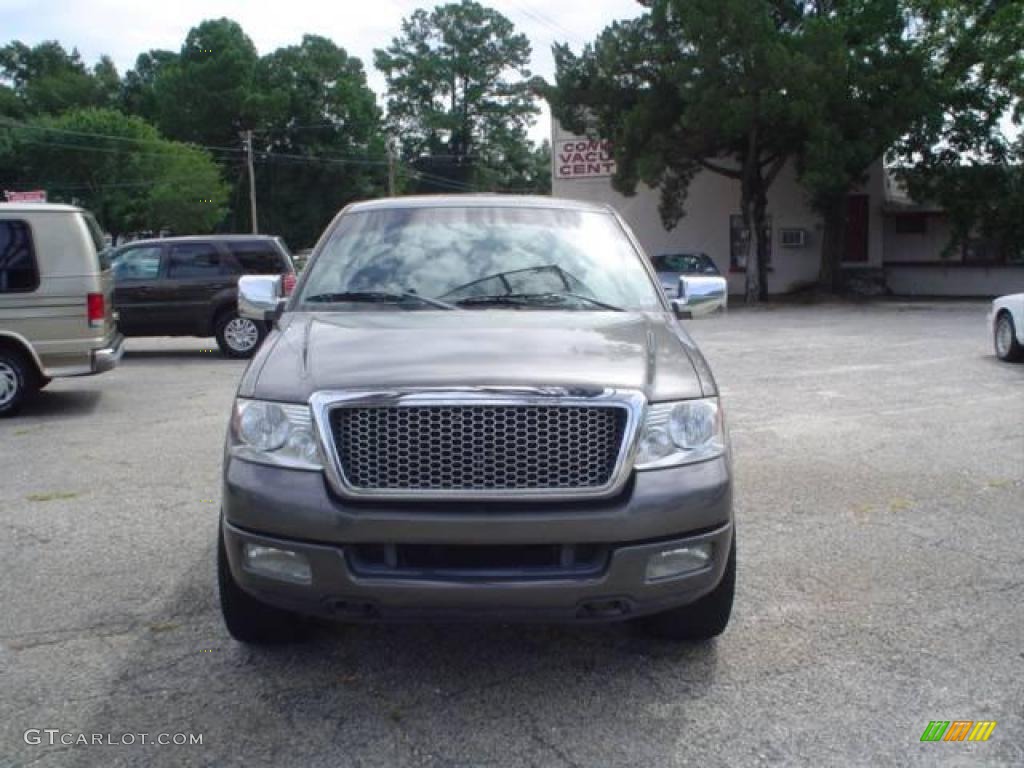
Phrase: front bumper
(660, 510)
(620, 592)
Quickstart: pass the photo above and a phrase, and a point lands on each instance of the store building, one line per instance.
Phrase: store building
(891, 241)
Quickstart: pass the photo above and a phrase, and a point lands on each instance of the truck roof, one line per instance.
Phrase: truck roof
(38, 208)
(477, 201)
(198, 238)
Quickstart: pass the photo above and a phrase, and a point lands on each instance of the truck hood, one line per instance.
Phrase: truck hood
(375, 350)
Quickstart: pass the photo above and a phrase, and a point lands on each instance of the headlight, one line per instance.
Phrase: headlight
(280, 434)
(681, 433)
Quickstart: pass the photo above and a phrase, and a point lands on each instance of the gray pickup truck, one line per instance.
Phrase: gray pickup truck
(472, 408)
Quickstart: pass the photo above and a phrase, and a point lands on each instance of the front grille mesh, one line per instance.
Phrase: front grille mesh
(478, 447)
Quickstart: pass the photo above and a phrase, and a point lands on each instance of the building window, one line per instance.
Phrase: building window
(740, 244)
(910, 224)
(18, 270)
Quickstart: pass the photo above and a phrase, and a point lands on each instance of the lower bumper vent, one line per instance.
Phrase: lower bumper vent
(440, 561)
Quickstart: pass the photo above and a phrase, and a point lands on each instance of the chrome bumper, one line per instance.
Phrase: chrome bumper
(106, 359)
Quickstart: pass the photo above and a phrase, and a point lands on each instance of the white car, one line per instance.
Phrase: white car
(1007, 324)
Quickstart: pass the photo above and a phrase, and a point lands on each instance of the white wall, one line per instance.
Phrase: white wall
(954, 280)
(919, 247)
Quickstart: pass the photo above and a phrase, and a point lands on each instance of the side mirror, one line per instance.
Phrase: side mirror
(700, 295)
(259, 297)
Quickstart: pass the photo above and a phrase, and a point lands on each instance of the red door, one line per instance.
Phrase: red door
(857, 213)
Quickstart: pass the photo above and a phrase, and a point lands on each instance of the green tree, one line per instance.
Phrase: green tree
(107, 82)
(460, 96)
(527, 169)
(322, 143)
(959, 152)
(864, 85)
(138, 89)
(120, 168)
(691, 86)
(188, 195)
(206, 95)
(48, 80)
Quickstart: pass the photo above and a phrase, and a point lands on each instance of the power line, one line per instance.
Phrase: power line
(154, 142)
(261, 156)
(451, 183)
(266, 157)
(160, 142)
(327, 159)
(312, 127)
(548, 23)
(85, 148)
(61, 185)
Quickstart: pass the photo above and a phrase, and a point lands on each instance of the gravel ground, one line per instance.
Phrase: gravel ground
(880, 491)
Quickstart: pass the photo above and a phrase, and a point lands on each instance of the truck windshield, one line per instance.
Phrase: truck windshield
(477, 258)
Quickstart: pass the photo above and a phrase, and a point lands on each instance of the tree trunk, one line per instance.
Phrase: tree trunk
(833, 244)
(752, 294)
(761, 238)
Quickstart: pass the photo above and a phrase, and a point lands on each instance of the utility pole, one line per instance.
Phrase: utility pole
(391, 169)
(252, 182)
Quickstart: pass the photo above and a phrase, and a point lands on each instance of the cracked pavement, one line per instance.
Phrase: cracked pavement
(880, 506)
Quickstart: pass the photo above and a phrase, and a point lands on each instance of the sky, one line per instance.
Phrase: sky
(124, 28)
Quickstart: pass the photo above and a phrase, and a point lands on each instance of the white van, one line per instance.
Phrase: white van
(56, 314)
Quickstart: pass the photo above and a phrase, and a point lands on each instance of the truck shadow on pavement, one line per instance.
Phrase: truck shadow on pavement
(60, 404)
(392, 694)
(210, 353)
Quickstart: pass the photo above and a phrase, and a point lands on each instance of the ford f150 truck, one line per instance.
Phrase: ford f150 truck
(476, 407)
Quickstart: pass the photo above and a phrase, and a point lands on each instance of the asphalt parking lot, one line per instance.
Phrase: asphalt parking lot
(880, 504)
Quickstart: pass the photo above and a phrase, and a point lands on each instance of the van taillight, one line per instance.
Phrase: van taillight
(97, 309)
(289, 283)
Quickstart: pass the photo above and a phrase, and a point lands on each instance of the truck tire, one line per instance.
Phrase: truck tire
(248, 620)
(702, 620)
(17, 381)
(1005, 339)
(238, 337)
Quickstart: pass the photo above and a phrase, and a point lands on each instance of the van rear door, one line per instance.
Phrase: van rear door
(101, 263)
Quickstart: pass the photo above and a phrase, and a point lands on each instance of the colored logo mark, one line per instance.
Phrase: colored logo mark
(958, 730)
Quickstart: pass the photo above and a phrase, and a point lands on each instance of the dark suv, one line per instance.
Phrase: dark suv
(187, 286)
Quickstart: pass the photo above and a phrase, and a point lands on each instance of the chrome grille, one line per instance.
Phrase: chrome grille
(489, 448)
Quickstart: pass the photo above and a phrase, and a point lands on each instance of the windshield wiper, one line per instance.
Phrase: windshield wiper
(377, 297)
(527, 299)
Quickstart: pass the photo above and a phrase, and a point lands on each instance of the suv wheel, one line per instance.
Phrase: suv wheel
(16, 382)
(247, 619)
(1007, 346)
(238, 337)
(702, 620)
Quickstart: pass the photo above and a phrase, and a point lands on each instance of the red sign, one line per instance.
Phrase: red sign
(32, 196)
(584, 159)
